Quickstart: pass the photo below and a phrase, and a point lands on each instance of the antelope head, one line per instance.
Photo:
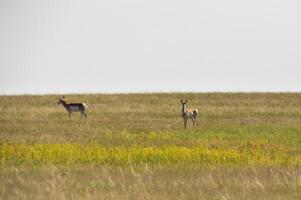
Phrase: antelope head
(61, 100)
(183, 103)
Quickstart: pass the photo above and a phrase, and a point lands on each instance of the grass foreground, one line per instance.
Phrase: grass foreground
(134, 146)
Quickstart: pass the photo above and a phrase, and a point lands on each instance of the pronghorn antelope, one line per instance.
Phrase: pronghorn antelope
(73, 107)
(188, 113)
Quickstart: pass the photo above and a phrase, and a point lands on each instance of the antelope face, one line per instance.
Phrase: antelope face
(60, 100)
(184, 103)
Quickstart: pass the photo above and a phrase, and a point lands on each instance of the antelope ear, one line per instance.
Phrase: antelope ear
(63, 97)
(181, 101)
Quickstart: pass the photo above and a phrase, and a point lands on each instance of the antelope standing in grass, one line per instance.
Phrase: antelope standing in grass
(74, 107)
(188, 113)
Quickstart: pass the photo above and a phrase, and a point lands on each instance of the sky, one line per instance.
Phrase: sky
(91, 46)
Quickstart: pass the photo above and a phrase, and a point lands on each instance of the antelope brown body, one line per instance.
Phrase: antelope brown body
(73, 107)
(188, 113)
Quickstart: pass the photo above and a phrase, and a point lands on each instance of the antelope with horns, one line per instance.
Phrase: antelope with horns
(188, 113)
(73, 107)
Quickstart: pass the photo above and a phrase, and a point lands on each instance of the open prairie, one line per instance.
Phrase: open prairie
(134, 146)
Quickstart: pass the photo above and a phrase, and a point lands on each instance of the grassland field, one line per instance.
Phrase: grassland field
(134, 146)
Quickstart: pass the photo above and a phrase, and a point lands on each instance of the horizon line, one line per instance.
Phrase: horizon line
(146, 92)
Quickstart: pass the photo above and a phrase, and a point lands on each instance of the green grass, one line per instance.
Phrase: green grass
(239, 136)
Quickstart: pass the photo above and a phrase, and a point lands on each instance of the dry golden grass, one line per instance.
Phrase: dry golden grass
(99, 182)
(42, 150)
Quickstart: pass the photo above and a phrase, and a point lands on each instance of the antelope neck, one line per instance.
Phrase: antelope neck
(64, 103)
(183, 108)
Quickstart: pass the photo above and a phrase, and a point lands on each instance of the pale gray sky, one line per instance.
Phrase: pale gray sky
(60, 46)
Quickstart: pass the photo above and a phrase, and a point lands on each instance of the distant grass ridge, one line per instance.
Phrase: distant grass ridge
(257, 153)
(38, 119)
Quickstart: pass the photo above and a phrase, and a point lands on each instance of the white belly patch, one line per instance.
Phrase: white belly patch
(74, 108)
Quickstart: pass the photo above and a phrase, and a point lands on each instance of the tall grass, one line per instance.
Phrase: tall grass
(102, 182)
